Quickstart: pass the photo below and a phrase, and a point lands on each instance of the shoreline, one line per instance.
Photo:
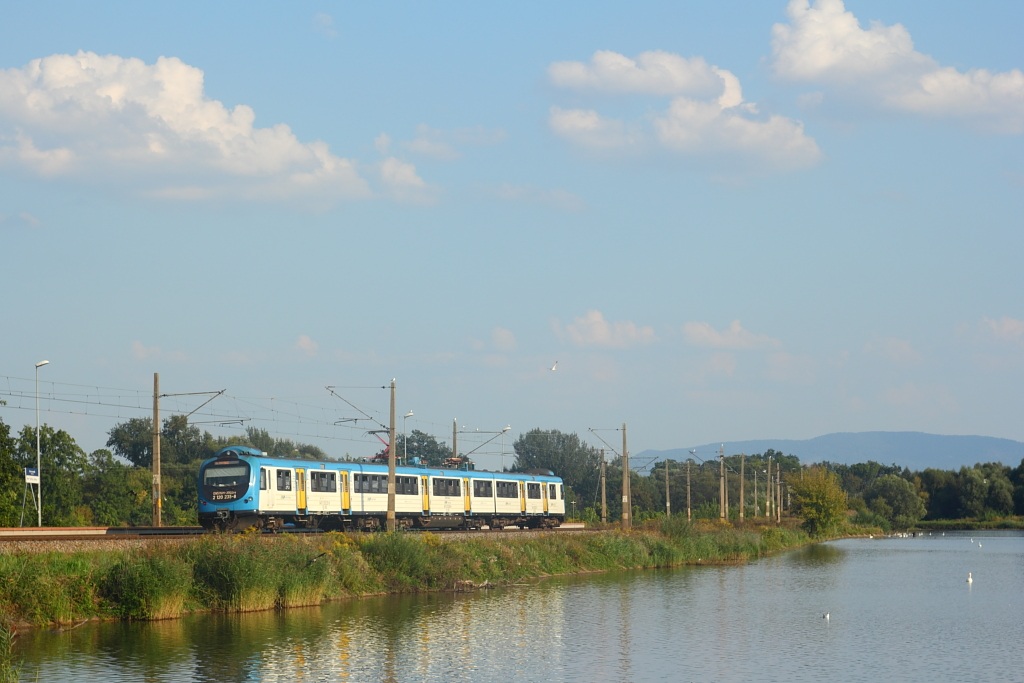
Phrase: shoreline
(145, 580)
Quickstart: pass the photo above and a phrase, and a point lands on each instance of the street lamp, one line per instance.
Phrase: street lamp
(405, 441)
(39, 471)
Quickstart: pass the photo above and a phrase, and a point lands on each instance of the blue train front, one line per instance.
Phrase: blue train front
(241, 488)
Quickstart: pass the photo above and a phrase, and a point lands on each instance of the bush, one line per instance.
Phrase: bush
(149, 586)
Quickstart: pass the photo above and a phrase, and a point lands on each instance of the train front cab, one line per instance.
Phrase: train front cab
(226, 494)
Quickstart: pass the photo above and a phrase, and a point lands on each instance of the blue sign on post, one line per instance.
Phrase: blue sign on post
(31, 475)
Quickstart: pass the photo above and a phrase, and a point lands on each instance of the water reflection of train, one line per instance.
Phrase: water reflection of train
(241, 487)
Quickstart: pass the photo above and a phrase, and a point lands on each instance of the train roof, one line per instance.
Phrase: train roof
(261, 457)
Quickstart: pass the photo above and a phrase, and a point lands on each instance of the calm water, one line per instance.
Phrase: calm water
(900, 610)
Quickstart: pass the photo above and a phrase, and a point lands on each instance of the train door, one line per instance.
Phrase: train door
(300, 490)
(426, 494)
(522, 497)
(465, 495)
(544, 495)
(346, 501)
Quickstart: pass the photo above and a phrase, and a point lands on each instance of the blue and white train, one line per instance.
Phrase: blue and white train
(242, 488)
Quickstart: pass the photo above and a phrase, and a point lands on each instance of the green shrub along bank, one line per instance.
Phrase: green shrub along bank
(251, 572)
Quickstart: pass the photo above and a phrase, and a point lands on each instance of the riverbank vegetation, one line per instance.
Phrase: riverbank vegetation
(251, 572)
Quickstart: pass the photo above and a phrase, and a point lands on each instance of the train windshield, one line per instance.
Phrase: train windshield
(225, 480)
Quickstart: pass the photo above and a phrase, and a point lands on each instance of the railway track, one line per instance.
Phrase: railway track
(99, 534)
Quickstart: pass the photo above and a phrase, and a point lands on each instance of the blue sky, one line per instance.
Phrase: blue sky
(723, 220)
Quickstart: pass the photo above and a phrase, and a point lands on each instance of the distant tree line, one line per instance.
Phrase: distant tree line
(113, 486)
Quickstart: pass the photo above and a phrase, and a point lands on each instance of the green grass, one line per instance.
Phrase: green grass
(248, 572)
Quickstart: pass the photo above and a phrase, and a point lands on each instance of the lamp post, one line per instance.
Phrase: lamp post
(39, 472)
(405, 441)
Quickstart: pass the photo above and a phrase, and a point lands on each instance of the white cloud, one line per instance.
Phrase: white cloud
(825, 44)
(1005, 329)
(401, 181)
(382, 143)
(21, 220)
(654, 73)
(592, 329)
(706, 115)
(104, 115)
(305, 345)
(323, 24)
(735, 337)
(587, 128)
(706, 128)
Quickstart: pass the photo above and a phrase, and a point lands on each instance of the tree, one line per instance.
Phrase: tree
(115, 493)
(896, 499)
(133, 441)
(564, 454)
(12, 479)
(180, 442)
(942, 496)
(63, 469)
(818, 499)
(973, 489)
(423, 446)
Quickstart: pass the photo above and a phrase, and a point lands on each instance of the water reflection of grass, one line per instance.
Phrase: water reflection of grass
(245, 573)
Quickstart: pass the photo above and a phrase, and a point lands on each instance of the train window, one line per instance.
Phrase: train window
(553, 492)
(447, 487)
(326, 482)
(482, 488)
(284, 480)
(263, 479)
(407, 486)
(533, 490)
(507, 489)
(226, 476)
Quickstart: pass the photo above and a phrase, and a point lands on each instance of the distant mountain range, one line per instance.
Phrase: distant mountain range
(913, 450)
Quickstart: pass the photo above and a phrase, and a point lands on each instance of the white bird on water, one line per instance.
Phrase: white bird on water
(970, 579)
(825, 616)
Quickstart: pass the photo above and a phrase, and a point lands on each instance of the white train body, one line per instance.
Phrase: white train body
(241, 488)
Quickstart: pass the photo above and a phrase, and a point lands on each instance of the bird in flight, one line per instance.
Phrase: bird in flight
(555, 366)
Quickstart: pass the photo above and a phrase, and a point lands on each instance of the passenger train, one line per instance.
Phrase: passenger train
(242, 488)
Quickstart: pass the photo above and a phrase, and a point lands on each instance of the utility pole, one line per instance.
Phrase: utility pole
(668, 499)
(768, 490)
(757, 510)
(689, 517)
(627, 504)
(743, 461)
(778, 506)
(604, 491)
(157, 503)
(722, 511)
(157, 488)
(455, 437)
(391, 524)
